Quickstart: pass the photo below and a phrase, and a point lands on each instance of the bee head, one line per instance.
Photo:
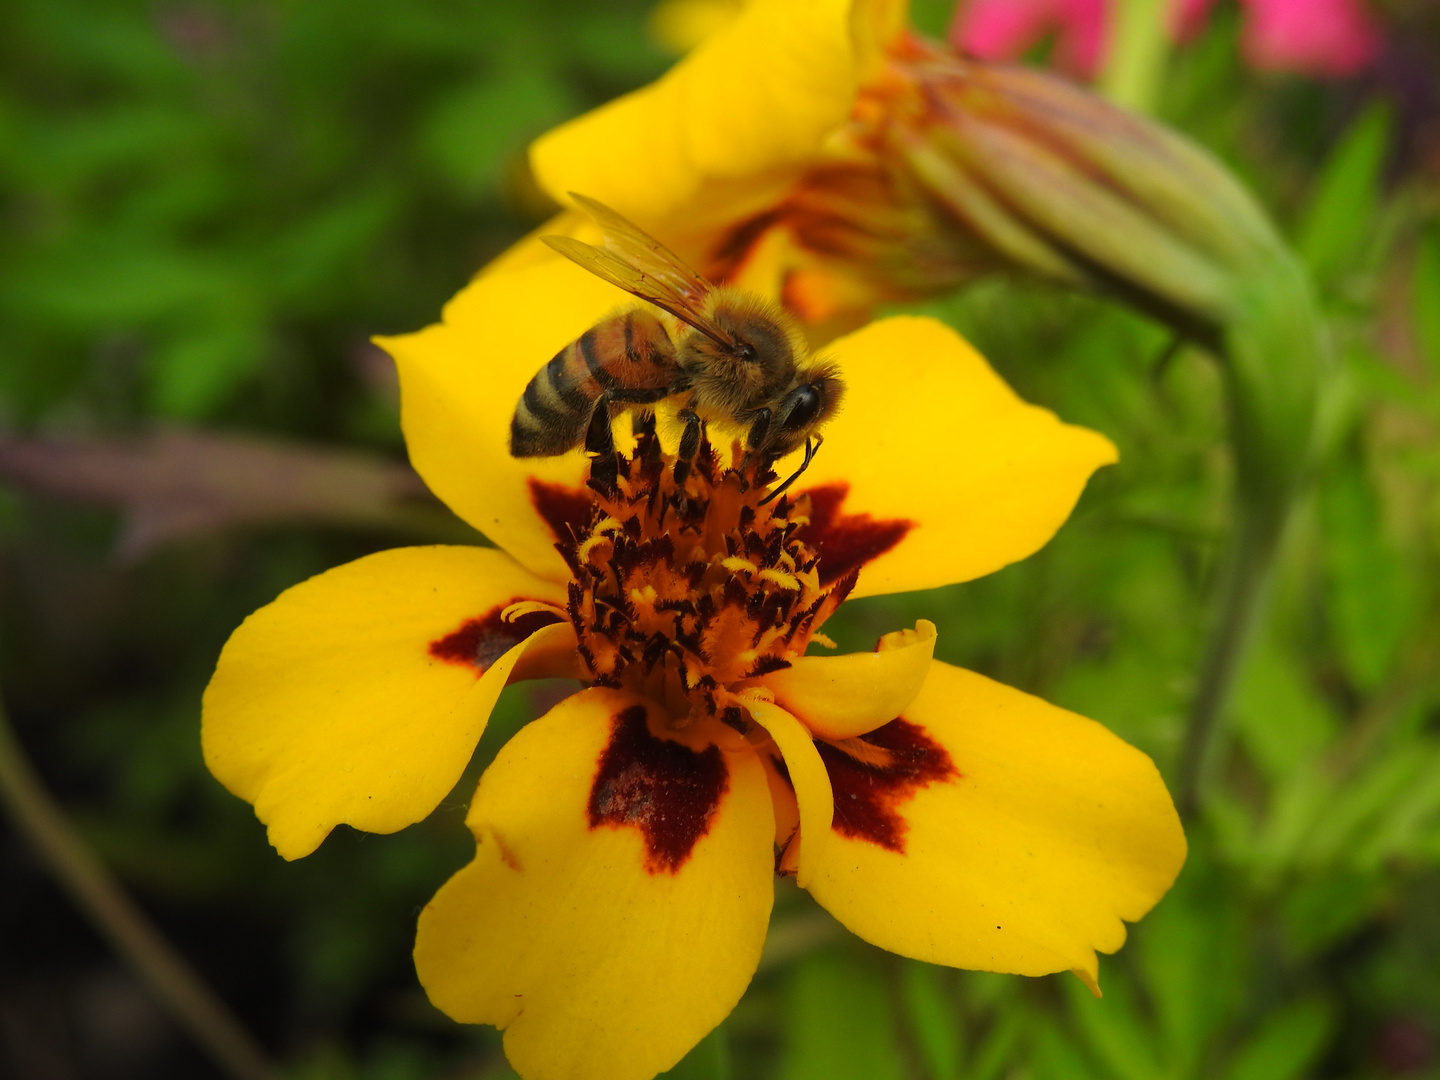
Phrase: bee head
(804, 408)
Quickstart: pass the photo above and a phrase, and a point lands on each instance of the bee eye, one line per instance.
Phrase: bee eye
(804, 402)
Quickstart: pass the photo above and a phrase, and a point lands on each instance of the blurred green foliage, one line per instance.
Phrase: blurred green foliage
(211, 206)
(202, 197)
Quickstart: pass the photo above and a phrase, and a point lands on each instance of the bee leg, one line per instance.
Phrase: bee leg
(810, 452)
(689, 444)
(759, 428)
(600, 446)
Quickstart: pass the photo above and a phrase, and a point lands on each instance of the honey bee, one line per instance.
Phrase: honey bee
(736, 359)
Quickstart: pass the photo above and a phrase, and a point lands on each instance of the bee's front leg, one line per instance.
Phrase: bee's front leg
(759, 428)
(689, 443)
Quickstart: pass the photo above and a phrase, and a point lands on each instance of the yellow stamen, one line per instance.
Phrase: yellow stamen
(687, 590)
(781, 578)
(528, 607)
(864, 752)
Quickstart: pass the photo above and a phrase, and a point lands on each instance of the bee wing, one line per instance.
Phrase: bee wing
(632, 244)
(638, 263)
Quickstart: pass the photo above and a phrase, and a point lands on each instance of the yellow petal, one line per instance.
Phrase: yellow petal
(606, 950)
(357, 697)
(723, 133)
(934, 471)
(839, 697)
(1007, 834)
(460, 381)
(874, 26)
(807, 776)
(677, 26)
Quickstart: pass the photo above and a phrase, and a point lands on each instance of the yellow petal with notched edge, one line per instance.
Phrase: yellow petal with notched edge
(599, 964)
(839, 697)
(807, 777)
(328, 706)
(1032, 833)
(460, 381)
(726, 131)
(934, 468)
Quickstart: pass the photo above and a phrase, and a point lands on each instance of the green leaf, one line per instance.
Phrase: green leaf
(931, 17)
(1319, 912)
(1348, 819)
(1301, 800)
(1426, 296)
(933, 1020)
(709, 1060)
(996, 1050)
(195, 372)
(329, 245)
(1399, 832)
(1054, 1057)
(839, 1022)
(476, 130)
(1191, 957)
(1370, 595)
(1338, 219)
(1286, 1043)
(1279, 715)
(1113, 1029)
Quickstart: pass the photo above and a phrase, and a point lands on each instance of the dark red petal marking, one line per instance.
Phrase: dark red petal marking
(846, 542)
(566, 510)
(667, 791)
(868, 797)
(479, 642)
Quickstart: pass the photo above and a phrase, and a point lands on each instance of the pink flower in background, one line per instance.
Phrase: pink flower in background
(1003, 29)
(1318, 37)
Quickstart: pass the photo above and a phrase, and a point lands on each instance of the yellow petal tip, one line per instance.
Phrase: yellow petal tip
(1091, 979)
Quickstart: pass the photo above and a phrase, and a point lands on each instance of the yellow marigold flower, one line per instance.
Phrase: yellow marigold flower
(627, 840)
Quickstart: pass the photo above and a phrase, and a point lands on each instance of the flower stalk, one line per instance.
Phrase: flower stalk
(1138, 47)
(169, 976)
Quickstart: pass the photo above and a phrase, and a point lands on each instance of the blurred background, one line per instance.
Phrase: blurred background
(209, 206)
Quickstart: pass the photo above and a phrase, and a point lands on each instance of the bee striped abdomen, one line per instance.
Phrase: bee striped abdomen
(628, 353)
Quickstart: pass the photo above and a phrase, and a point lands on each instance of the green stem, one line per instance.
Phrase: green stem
(1138, 49)
(1274, 358)
(1244, 579)
(104, 902)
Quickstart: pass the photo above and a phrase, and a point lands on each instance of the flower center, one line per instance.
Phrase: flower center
(684, 591)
